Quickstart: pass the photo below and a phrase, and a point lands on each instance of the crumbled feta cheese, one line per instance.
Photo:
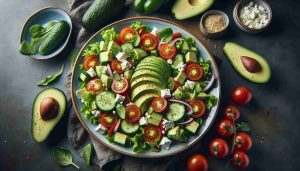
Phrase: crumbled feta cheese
(154, 31)
(101, 129)
(121, 56)
(80, 93)
(82, 100)
(167, 124)
(143, 121)
(170, 61)
(91, 72)
(147, 115)
(181, 66)
(190, 84)
(165, 143)
(119, 98)
(165, 93)
(96, 113)
(125, 65)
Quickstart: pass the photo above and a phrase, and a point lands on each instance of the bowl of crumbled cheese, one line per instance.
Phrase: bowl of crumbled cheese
(252, 16)
(214, 23)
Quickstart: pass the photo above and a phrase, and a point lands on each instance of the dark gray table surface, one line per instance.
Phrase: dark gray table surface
(273, 114)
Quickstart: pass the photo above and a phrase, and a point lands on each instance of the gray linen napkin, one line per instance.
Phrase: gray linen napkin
(77, 135)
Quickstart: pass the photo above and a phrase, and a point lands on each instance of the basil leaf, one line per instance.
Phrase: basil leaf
(136, 40)
(165, 35)
(51, 78)
(87, 154)
(63, 157)
(243, 126)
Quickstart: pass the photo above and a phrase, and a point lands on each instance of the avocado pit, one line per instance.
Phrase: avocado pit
(49, 108)
(251, 64)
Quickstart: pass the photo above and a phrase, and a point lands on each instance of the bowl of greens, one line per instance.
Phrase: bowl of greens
(145, 87)
(45, 33)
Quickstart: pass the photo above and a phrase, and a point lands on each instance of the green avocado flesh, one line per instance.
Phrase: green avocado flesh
(40, 128)
(234, 52)
(184, 9)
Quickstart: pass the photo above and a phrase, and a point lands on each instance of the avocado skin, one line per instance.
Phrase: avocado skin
(55, 38)
(100, 12)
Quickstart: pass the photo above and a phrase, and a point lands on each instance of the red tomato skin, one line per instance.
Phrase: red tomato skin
(90, 86)
(88, 59)
(218, 148)
(241, 95)
(243, 142)
(125, 31)
(167, 56)
(116, 66)
(176, 35)
(124, 90)
(190, 67)
(202, 104)
(101, 120)
(165, 104)
(135, 109)
(152, 139)
(228, 115)
(225, 128)
(197, 162)
(242, 157)
(151, 36)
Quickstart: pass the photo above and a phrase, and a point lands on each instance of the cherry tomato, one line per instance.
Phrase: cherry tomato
(112, 128)
(198, 107)
(167, 51)
(116, 66)
(120, 86)
(152, 133)
(90, 62)
(141, 30)
(241, 95)
(95, 86)
(133, 113)
(225, 128)
(240, 160)
(148, 42)
(126, 34)
(194, 72)
(176, 35)
(231, 112)
(243, 142)
(159, 104)
(218, 148)
(118, 41)
(197, 162)
(108, 120)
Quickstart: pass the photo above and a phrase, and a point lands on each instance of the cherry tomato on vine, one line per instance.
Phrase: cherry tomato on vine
(218, 148)
(240, 160)
(243, 142)
(225, 128)
(197, 162)
(241, 95)
(231, 112)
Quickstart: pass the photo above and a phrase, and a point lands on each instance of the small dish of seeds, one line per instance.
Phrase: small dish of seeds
(214, 23)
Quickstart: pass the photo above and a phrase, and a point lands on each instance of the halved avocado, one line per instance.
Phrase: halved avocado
(147, 80)
(234, 52)
(143, 101)
(42, 128)
(184, 9)
(143, 89)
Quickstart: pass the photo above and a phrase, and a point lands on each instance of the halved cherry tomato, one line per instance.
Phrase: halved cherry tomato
(126, 34)
(243, 142)
(112, 129)
(199, 108)
(108, 120)
(240, 160)
(118, 41)
(225, 128)
(218, 148)
(167, 51)
(194, 72)
(152, 133)
(231, 112)
(148, 42)
(120, 86)
(159, 104)
(133, 113)
(116, 66)
(176, 85)
(176, 35)
(90, 62)
(95, 86)
(141, 30)
(197, 162)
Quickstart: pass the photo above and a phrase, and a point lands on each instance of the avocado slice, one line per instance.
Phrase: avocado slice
(142, 101)
(192, 127)
(147, 80)
(174, 133)
(120, 138)
(152, 68)
(153, 65)
(155, 118)
(139, 73)
(235, 52)
(184, 9)
(42, 128)
(144, 88)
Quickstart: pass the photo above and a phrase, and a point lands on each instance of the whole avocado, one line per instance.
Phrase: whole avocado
(100, 12)
(55, 38)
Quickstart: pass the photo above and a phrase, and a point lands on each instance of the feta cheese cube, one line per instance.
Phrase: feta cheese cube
(165, 143)
(121, 56)
(96, 113)
(125, 65)
(101, 129)
(147, 115)
(143, 121)
(119, 98)
(167, 124)
(154, 31)
(190, 84)
(166, 93)
(181, 66)
(169, 61)
(91, 72)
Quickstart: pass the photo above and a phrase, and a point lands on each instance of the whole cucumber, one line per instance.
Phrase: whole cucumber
(54, 38)
(100, 12)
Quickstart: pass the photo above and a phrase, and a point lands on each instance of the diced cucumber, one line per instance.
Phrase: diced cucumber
(177, 61)
(127, 48)
(120, 111)
(129, 128)
(105, 101)
(176, 112)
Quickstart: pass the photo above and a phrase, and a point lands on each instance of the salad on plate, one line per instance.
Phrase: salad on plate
(145, 88)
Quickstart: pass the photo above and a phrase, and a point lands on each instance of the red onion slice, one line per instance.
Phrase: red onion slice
(185, 103)
(175, 40)
(109, 70)
(210, 83)
(117, 125)
(186, 122)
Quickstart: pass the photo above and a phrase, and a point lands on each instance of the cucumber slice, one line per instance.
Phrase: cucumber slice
(176, 112)
(121, 111)
(105, 101)
(127, 48)
(129, 128)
